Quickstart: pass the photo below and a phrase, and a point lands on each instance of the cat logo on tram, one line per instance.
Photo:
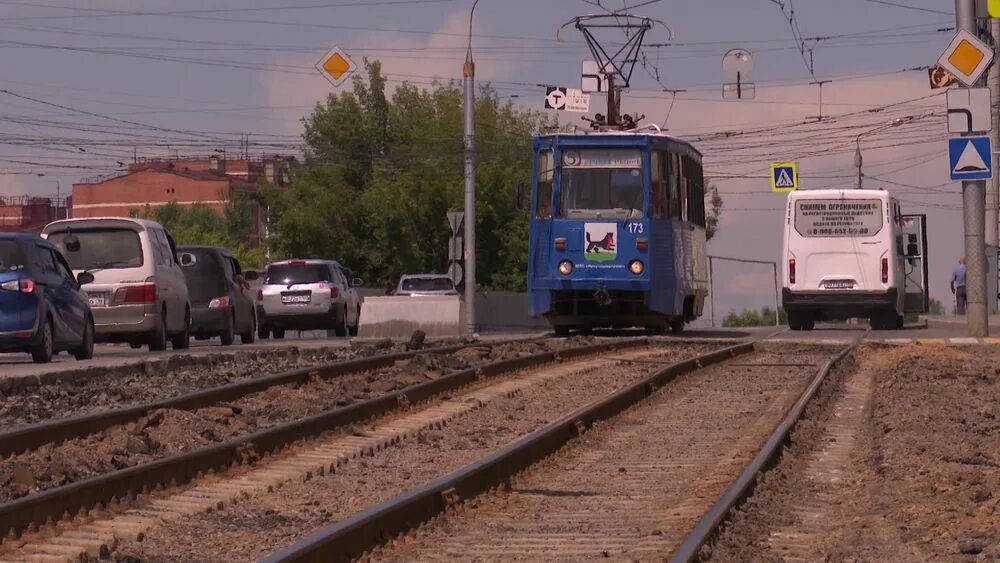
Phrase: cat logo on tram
(600, 241)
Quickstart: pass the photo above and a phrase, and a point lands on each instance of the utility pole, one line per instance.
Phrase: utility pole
(974, 208)
(468, 76)
(857, 162)
(993, 190)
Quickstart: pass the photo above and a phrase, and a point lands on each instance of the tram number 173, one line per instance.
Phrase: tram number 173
(635, 228)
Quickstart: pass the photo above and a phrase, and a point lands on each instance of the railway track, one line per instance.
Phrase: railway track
(49, 513)
(653, 469)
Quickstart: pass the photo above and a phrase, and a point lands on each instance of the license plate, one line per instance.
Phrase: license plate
(291, 299)
(99, 300)
(839, 284)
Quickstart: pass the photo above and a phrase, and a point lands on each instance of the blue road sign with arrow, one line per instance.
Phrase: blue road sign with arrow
(970, 158)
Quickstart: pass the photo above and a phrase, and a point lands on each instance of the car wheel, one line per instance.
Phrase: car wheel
(42, 352)
(182, 340)
(247, 337)
(86, 349)
(353, 330)
(561, 330)
(340, 328)
(229, 334)
(279, 333)
(263, 332)
(676, 326)
(158, 340)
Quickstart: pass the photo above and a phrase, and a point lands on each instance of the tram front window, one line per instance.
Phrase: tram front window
(589, 193)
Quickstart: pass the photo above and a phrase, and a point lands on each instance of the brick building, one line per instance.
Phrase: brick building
(211, 181)
(29, 213)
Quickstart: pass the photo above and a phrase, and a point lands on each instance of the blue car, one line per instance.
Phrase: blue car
(42, 308)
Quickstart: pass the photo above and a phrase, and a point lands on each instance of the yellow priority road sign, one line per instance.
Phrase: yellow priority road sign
(966, 57)
(784, 177)
(336, 66)
(993, 7)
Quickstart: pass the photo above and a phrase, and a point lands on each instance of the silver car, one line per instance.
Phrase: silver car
(425, 284)
(139, 294)
(307, 295)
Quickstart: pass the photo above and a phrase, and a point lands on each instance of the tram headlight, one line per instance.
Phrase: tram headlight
(565, 267)
(636, 267)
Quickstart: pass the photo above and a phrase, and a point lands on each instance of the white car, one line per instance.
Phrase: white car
(307, 295)
(425, 284)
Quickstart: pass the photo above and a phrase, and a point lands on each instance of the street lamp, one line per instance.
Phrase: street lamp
(857, 143)
(468, 76)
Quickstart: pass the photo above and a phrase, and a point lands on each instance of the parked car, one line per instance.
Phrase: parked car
(42, 308)
(139, 294)
(221, 302)
(424, 284)
(307, 295)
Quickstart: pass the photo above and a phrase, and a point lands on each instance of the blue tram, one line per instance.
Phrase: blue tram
(617, 230)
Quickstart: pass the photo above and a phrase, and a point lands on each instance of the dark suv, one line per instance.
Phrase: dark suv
(221, 302)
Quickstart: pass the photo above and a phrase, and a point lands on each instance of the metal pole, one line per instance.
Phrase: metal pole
(711, 289)
(974, 207)
(777, 300)
(469, 74)
(857, 162)
(993, 189)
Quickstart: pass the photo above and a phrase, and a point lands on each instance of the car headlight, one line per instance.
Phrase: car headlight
(636, 267)
(565, 267)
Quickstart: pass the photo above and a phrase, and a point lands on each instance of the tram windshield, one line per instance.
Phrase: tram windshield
(602, 183)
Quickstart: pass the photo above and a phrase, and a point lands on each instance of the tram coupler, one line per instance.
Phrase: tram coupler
(601, 296)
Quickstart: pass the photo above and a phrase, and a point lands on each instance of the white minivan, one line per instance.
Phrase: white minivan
(851, 254)
(139, 294)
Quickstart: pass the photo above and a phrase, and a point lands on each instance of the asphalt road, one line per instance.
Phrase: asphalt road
(946, 330)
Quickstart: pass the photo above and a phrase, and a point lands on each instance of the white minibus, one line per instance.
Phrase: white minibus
(845, 257)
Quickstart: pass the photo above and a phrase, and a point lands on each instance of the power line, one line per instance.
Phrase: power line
(908, 7)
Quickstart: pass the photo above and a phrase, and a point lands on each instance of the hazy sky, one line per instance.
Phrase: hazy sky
(88, 87)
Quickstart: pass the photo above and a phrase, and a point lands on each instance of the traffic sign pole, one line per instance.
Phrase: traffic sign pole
(993, 189)
(974, 207)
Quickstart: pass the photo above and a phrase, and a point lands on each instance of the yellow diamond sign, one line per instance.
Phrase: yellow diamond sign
(966, 57)
(993, 7)
(336, 66)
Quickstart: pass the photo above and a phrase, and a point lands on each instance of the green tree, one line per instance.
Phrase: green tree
(200, 224)
(380, 175)
(714, 211)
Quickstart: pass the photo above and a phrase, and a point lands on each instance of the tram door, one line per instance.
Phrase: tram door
(916, 295)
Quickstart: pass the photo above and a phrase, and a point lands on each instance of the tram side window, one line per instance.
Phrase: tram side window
(543, 202)
(696, 192)
(659, 169)
(673, 187)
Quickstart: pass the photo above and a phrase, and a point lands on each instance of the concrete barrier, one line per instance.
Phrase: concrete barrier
(399, 317)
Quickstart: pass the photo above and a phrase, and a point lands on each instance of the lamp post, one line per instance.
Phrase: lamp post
(858, 179)
(468, 76)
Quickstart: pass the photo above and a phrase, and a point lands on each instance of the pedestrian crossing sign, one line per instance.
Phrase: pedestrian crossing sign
(784, 177)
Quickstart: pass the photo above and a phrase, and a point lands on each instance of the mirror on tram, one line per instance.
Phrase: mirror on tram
(519, 196)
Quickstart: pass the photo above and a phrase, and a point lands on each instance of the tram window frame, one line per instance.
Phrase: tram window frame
(695, 192)
(673, 186)
(659, 172)
(543, 195)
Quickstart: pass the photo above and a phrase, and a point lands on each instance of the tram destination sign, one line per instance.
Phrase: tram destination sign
(838, 217)
(602, 158)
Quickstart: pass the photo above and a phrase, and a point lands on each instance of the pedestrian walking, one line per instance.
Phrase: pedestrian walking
(958, 285)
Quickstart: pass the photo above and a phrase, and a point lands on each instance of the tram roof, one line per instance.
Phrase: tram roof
(649, 130)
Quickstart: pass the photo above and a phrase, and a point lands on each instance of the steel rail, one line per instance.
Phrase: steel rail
(32, 436)
(742, 487)
(97, 491)
(352, 537)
